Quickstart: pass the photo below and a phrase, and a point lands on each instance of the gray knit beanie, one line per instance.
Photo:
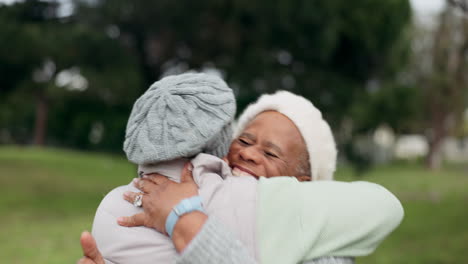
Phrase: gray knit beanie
(180, 116)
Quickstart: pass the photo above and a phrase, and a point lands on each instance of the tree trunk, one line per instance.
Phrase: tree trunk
(434, 156)
(446, 98)
(40, 127)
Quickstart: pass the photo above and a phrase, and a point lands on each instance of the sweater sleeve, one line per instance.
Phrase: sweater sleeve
(215, 245)
(323, 218)
(330, 260)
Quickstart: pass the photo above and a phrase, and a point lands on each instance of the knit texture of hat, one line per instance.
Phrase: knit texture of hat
(315, 131)
(180, 116)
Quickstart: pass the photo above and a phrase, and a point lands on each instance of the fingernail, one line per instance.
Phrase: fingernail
(135, 180)
(145, 176)
(127, 194)
(121, 220)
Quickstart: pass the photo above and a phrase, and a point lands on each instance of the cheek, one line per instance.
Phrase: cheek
(233, 150)
(276, 169)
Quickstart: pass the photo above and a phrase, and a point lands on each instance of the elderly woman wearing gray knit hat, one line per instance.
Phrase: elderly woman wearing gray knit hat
(281, 135)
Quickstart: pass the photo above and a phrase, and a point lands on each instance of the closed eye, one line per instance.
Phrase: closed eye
(271, 154)
(244, 142)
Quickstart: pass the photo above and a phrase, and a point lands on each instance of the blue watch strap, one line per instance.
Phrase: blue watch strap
(185, 206)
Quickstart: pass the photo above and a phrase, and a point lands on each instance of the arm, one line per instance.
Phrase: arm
(323, 218)
(331, 260)
(198, 238)
(202, 241)
(211, 244)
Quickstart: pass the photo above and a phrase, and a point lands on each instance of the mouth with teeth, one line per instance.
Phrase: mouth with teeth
(239, 171)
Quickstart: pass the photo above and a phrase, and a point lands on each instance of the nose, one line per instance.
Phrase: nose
(250, 154)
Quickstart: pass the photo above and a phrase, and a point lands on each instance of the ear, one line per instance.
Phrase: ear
(303, 178)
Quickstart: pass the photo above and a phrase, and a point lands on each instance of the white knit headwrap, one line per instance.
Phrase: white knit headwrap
(314, 130)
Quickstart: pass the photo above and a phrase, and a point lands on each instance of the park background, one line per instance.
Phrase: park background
(390, 76)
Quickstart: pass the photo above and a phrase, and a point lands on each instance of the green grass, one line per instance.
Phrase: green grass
(435, 227)
(49, 196)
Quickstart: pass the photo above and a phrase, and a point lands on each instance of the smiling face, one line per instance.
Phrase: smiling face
(270, 145)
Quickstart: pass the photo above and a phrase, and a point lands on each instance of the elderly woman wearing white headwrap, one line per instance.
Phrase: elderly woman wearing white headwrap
(278, 220)
(323, 218)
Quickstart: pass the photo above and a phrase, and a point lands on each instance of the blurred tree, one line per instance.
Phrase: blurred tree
(336, 53)
(441, 72)
(263, 45)
(461, 4)
(25, 63)
(48, 60)
(342, 55)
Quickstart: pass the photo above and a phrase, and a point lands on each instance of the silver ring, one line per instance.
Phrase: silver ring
(138, 200)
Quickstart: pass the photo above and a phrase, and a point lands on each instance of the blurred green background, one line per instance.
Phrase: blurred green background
(390, 77)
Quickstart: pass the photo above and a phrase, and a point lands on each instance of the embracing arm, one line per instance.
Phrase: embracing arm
(327, 218)
(199, 239)
(212, 243)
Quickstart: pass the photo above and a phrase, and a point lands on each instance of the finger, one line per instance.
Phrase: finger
(90, 250)
(187, 173)
(134, 220)
(145, 185)
(154, 174)
(225, 159)
(130, 196)
(157, 179)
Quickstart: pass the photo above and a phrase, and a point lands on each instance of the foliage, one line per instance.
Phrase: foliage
(39, 48)
(337, 53)
(438, 71)
(325, 50)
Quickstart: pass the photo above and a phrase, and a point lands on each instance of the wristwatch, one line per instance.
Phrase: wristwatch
(183, 207)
